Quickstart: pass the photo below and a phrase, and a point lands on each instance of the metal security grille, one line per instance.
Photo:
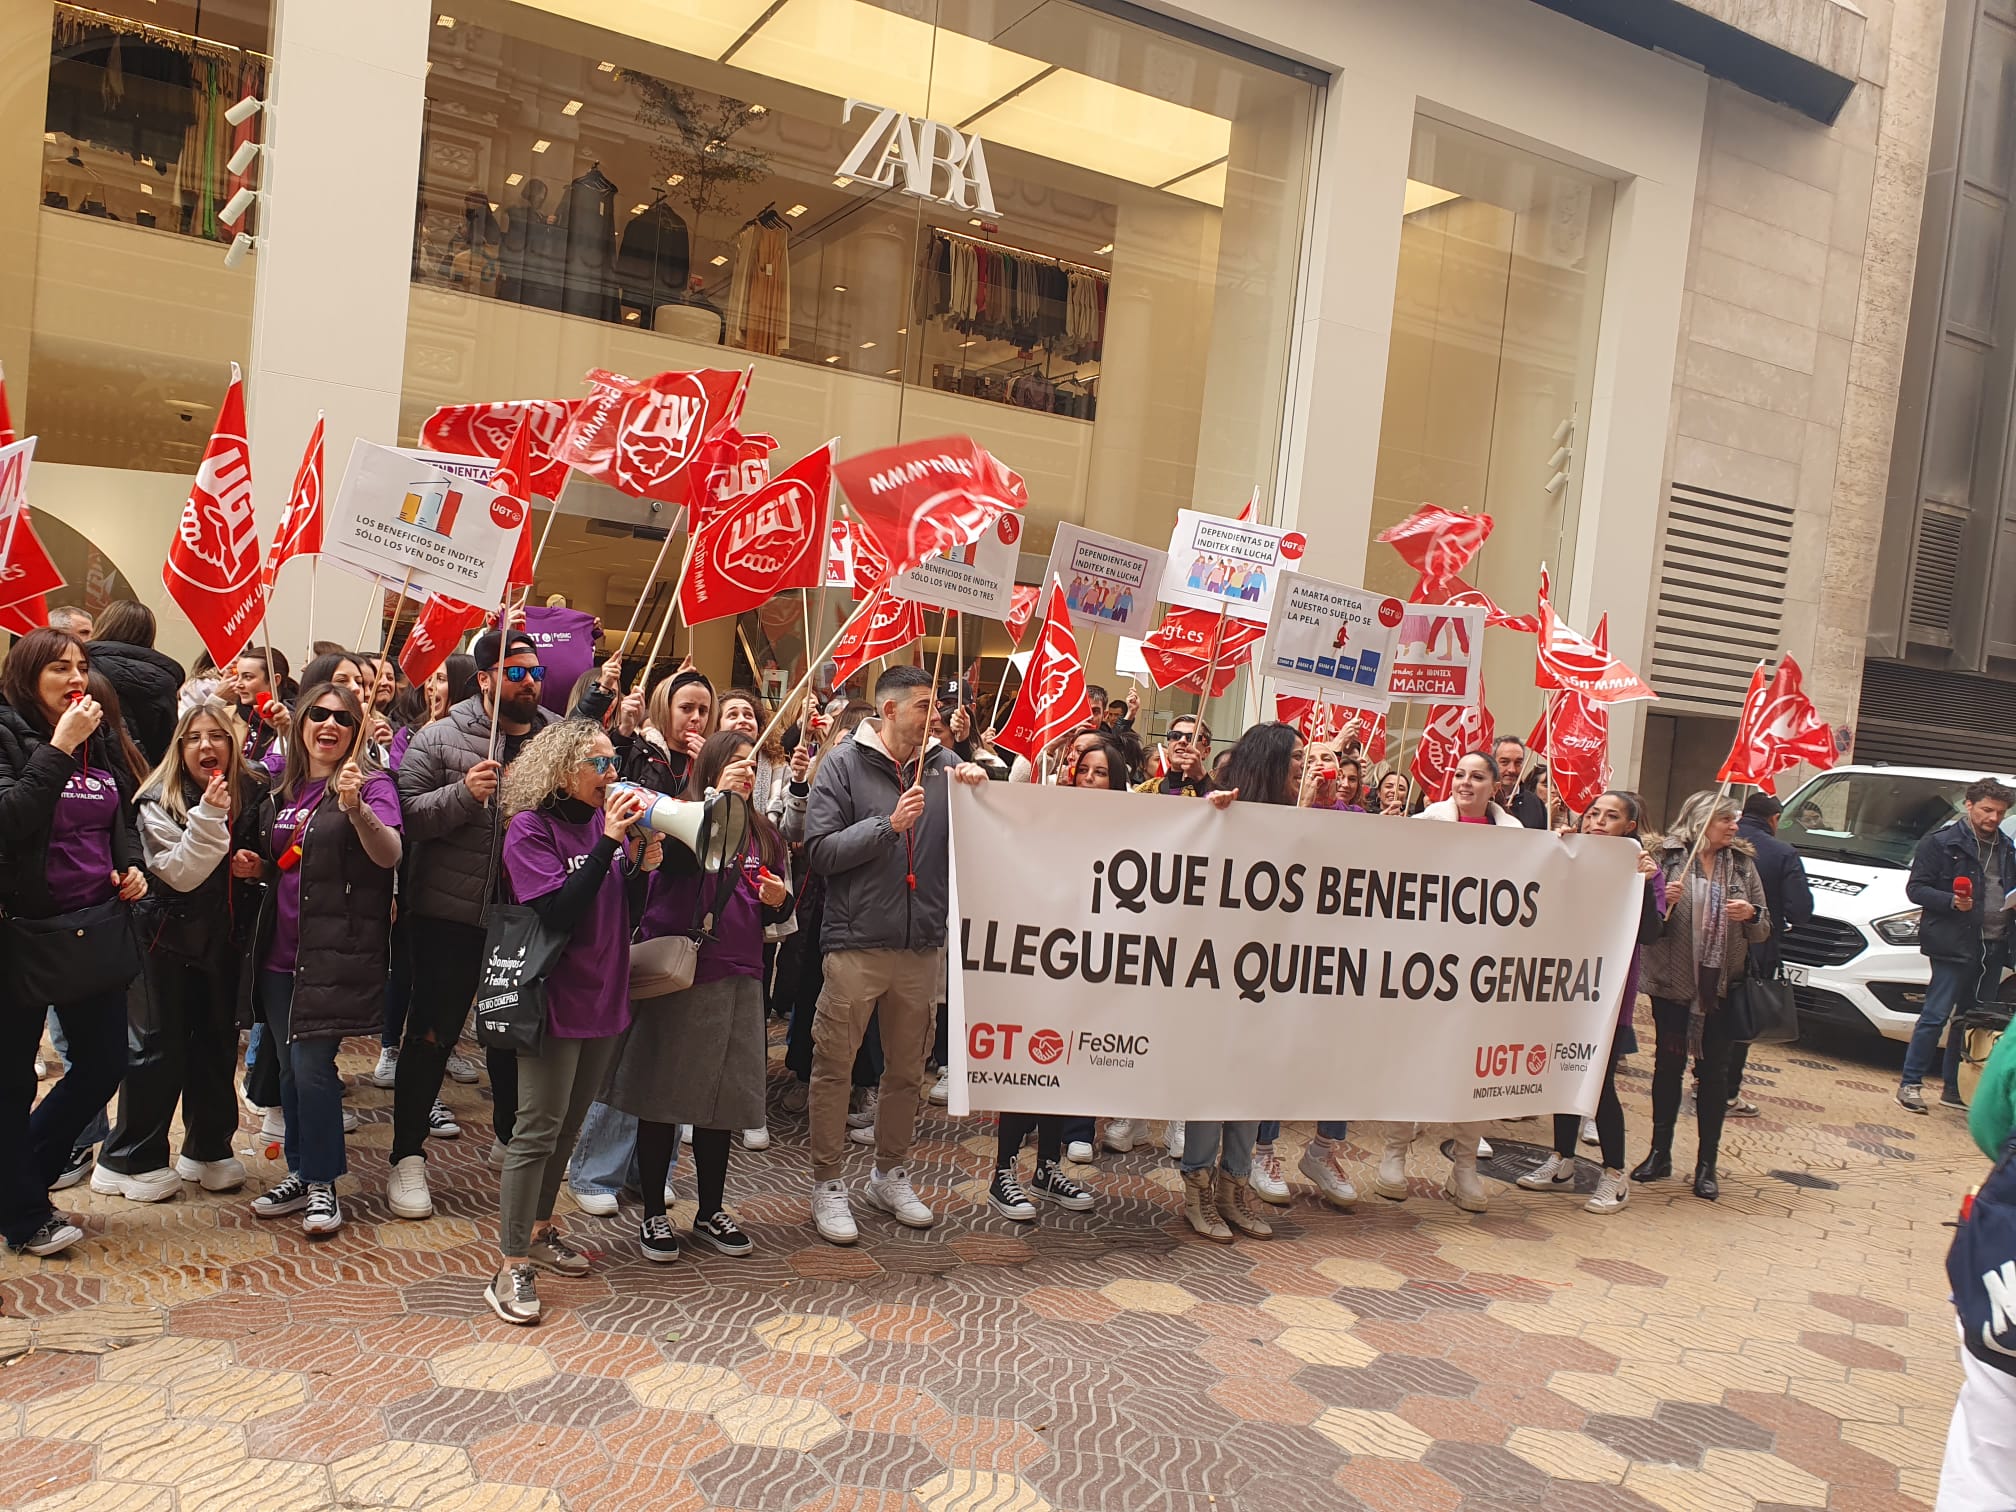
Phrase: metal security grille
(1935, 573)
(1721, 597)
(1920, 716)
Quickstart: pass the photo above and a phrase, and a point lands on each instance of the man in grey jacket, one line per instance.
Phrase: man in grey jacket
(876, 827)
(447, 789)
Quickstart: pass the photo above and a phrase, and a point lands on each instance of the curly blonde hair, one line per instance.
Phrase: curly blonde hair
(548, 760)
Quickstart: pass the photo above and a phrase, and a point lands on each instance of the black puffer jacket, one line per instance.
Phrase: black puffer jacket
(32, 776)
(870, 903)
(147, 683)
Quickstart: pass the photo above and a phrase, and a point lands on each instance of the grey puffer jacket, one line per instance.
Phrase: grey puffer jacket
(456, 840)
(1669, 959)
(850, 842)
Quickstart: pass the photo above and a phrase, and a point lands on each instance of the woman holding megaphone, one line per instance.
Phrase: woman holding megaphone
(700, 1056)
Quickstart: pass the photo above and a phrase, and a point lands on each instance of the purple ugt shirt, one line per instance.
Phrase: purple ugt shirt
(287, 826)
(80, 841)
(588, 992)
(736, 948)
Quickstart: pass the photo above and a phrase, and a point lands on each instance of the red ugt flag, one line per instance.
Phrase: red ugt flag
(640, 438)
(761, 544)
(513, 479)
(1575, 741)
(881, 627)
(299, 532)
(1052, 700)
(1178, 651)
(1778, 729)
(1021, 604)
(485, 430)
(1438, 543)
(1564, 658)
(1452, 733)
(925, 497)
(443, 621)
(212, 571)
(26, 571)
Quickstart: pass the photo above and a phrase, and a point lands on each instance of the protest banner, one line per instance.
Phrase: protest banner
(396, 514)
(1109, 583)
(1440, 655)
(977, 578)
(1129, 661)
(1341, 638)
(1215, 563)
(1234, 967)
(566, 642)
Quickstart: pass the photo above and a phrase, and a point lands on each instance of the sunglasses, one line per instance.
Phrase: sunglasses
(605, 766)
(343, 717)
(1188, 737)
(519, 674)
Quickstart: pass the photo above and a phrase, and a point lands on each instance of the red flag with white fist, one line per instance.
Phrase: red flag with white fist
(1451, 734)
(299, 532)
(641, 437)
(926, 497)
(212, 571)
(760, 544)
(442, 624)
(882, 626)
(1053, 699)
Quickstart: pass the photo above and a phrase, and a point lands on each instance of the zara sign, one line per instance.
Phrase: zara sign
(918, 149)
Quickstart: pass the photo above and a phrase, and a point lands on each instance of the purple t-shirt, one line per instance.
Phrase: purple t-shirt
(736, 948)
(566, 642)
(588, 993)
(383, 797)
(80, 841)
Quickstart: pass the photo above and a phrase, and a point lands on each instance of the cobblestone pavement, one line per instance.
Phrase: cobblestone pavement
(1789, 1347)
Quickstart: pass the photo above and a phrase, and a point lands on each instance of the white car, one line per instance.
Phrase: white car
(1855, 963)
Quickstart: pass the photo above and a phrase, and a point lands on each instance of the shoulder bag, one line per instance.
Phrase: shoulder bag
(71, 956)
(1984, 1246)
(666, 964)
(519, 953)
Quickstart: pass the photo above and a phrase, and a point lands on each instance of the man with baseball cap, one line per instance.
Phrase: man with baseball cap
(448, 785)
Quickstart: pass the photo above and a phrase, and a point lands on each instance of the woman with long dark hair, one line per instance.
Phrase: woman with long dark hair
(700, 1057)
(329, 837)
(72, 856)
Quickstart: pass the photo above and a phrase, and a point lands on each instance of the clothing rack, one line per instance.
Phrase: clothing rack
(181, 41)
(1002, 246)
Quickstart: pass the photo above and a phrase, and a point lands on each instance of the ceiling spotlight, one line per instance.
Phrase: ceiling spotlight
(758, 109)
(839, 288)
(605, 66)
(572, 107)
(1560, 458)
(892, 372)
(834, 358)
(675, 181)
(244, 110)
(235, 207)
(842, 182)
(513, 180)
(866, 345)
(447, 22)
(976, 221)
(1564, 430)
(974, 342)
(246, 155)
(541, 145)
(795, 211)
(719, 261)
(240, 245)
(902, 330)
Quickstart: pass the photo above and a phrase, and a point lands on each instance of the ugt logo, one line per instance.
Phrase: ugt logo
(1508, 1060)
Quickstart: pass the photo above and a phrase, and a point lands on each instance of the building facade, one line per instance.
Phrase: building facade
(1635, 284)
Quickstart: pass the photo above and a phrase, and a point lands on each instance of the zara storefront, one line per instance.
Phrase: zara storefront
(1354, 255)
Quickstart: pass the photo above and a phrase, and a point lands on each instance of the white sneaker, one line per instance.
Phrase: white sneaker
(1266, 1179)
(460, 1068)
(832, 1214)
(1079, 1151)
(406, 1189)
(1118, 1135)
(1319, 1166)
(941, 1089)
(1484, 1150)
(148, 1186)
(225, 1175)
(386, 1072)
(349, 1120)
(893, 1194)
(601, 1204)
(1172, 1138)
(1589, 1134)
(274, 1125)
(756, 1139)
(862, 1136)
(1552, 1175)
(861, 1108)
(1613, 1190)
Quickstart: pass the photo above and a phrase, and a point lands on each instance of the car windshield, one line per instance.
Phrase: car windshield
(1873, 817)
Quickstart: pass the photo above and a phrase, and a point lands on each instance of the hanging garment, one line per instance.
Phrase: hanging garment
(654, 260)
(533, 266)
(759, 297)
(588, 211)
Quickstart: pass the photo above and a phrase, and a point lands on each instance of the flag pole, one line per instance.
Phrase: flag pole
(691, 541)
(994, 719)
(376, 600)
(552, 510)
(937, 662)
(644, 592)
(314, 572)
(1400, 761)
(385, 647)
(776, 719)
(1211, 665)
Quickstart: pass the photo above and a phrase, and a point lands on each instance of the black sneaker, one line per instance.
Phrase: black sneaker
(55, 1236)
(1006, 1197)
(75, 1169)
(441, 1123)
(276, 1202)
(656, 1238)
(325, 1213)
(722, 1232)
(1053, 1185)
(1912, 1097)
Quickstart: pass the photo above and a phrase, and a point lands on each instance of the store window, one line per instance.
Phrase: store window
(1072, 236)
(136, 317)
(1488, 384)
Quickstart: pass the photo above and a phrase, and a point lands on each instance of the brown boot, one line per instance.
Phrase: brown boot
(1201, 1210)
(1235, 1206)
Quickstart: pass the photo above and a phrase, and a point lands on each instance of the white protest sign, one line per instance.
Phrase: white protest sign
(1215, 563)
(840, 554)
(1440, 657)
(1129, 662)
(1109, 583)
(396, 513)
(1267, 962)
(974, 579)
(1342, 638)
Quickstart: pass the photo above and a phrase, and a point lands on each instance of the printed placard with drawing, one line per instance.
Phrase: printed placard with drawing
(1342, 638)
(1215, 563)
(1109, 583)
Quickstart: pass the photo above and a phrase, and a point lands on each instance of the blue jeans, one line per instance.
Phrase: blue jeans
(1270, 1130)
(1201, 1143)
(311, 1093)
(96, 1131)
(1955, 984)
(605, 1153)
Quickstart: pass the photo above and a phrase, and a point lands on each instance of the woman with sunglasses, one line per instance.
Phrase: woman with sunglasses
(329, 838)
(562, 841)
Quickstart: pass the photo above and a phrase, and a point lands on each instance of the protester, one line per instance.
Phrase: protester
(71, 855)
(701, 1057)
(781, 785)
(1788, 899)
(1508, 754)
(352, 671)
(1187, 752)
(1715, 912)
(1393, 794)
(876, 827)
(417, 707)
(265, 729)
(197, 818)
(1964, 932)
(1339, 784)
(147, 681)
(448, 780)
(681, 717)
(1621, 814)
(329, 840)
(561, 847)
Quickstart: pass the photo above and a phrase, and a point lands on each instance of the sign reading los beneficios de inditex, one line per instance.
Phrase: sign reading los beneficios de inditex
(918, 156)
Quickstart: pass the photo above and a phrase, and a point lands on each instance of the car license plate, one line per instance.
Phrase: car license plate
(1796, 975)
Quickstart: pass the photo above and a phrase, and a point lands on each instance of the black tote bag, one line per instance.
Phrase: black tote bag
(519, 952)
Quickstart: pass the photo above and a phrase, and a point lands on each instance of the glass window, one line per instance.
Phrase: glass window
(1070, 236)
(1489, 378)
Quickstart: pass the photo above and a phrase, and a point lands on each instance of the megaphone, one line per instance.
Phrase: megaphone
(715, 828)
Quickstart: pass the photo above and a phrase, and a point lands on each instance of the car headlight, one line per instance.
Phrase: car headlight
(1899, 929)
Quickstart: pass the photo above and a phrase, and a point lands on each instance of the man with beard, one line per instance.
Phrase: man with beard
(447, 791)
